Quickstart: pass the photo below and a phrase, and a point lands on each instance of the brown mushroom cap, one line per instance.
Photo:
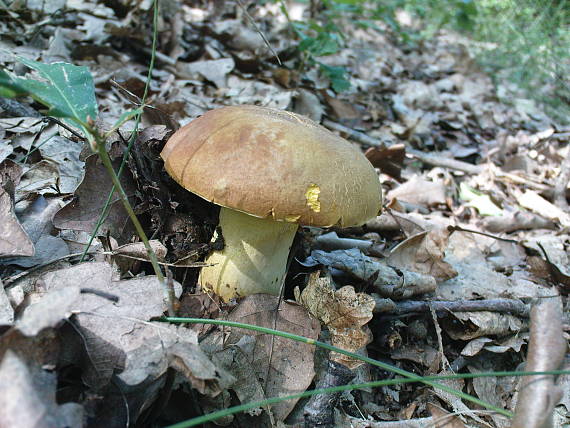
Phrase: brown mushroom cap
(274, 164)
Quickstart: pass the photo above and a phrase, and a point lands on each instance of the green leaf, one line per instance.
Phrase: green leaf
(337, 77)
(323, 44)
(480, 201)
(66, 89)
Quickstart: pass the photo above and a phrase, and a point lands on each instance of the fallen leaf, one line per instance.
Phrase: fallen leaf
(281, 366)
(424, 253)
(479, 200)
(27, 397)
(13, 239)
(343, 311)
(420, 192)
(84, 211)
(469, 325)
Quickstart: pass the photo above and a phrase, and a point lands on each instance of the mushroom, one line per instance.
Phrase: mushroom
(270, 171)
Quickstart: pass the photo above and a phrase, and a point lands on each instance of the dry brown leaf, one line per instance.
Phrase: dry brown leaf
(534, 202)
(280, 366)
(424, 253)
(117, 336)
(420, 192)
(343, 311)
(477, 324)
(84, 211)
(13, 239)
(388, 159)
(518, 220)
(444, 419)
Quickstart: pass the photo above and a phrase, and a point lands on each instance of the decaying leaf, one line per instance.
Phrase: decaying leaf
(343, 311)
(420, 191)
(84, 211)
(477, 324)
(424, 253)
(6, 310)
(13, 239)
(27, 396)
(482, 202)
(534, 202)
(276, 365)
(107, 333)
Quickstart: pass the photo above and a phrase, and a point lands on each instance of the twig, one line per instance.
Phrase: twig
(63, 125)
(452, 229)
(319, 411)
(361, 137)
(258, 30)
(516, 307)
(16, 277)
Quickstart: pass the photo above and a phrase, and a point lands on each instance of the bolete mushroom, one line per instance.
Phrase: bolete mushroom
(270, 171)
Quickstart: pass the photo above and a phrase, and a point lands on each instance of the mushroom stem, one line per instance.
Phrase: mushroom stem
(254, 259)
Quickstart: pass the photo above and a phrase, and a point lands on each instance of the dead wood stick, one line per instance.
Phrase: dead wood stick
(516, 307)
(319, 411)
(546, 350)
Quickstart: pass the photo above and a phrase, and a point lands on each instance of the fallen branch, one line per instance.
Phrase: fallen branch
(515, 307)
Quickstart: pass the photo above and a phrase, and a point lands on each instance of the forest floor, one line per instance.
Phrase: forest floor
(475, 229)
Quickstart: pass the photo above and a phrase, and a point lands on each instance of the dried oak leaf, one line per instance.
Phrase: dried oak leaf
(424, 253)
(343, 311)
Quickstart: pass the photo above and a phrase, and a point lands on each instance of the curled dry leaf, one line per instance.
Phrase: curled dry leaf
(538, 395)
(343, 311)
(477, 324)
(424, 253)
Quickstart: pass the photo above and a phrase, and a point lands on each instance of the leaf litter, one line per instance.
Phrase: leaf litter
(78, 341)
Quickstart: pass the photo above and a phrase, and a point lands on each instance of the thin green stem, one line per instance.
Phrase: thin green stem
(273, 400)
(100, 142)
(106, 209)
